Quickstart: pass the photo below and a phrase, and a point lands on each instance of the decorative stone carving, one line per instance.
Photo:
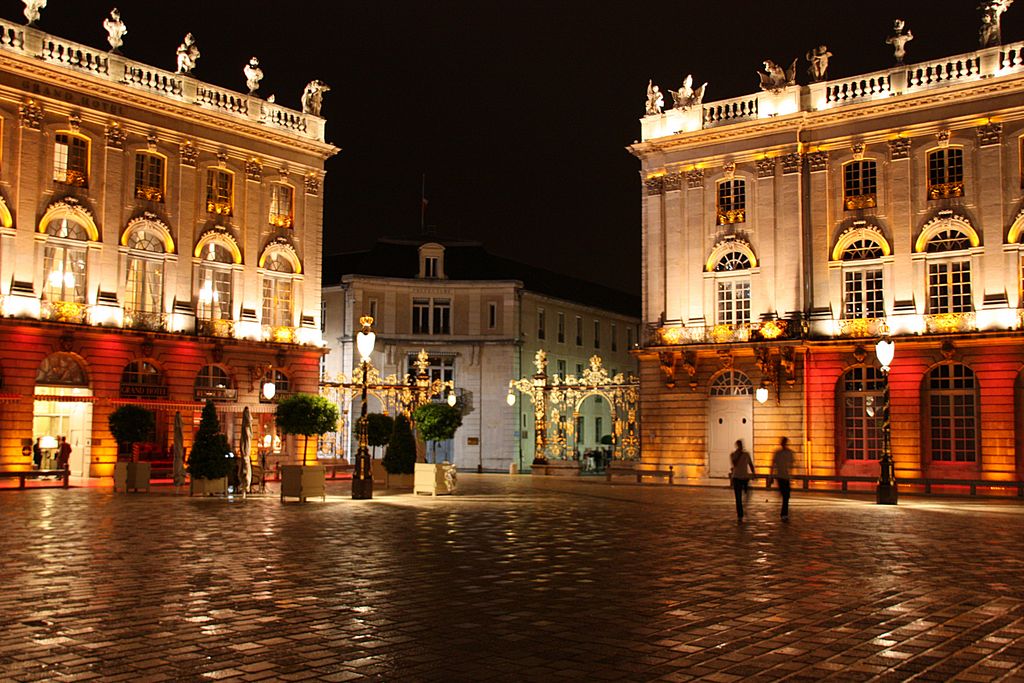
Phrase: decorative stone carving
(990, 134)
(899, 148)
(32, 10)
(672, 181)
(222, 159)
(729, 170)
(766, 168)
(943, 137)
(654, 185)
(254, 170)
(787, 364)
(312, 185)
(31, 115)
(253, 75)
(859, 353)
(695, 178)
(899, 40)
(655, 100)
(791, 163)
(817, 161)
(686, 97)
(857, 149)
(189, 153)
(689, 365)
(818, 59)
(947, 349)
(774, 79)
(147, 347)
(990, 33)
(188, 55)
(151, 140)
(313, 97)
(66, 343)
(725, 359)
(217, 352)
(115, 29)
(667, 363)
(115, 135)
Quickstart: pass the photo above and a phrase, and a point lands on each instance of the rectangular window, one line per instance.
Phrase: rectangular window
(860, 185)
(149, 177)
(561, 327)
(71, 160)
(862, 293)
(277, 302)
(579, 369)
(732, 201)
(440, 368)
(579, 331)
(421, 316)
(214, 293)
(629, 336)
(561, 368)
(733, 302)
(540, 324)
(946, 173)
(615, 340)
(598, 429)
(219, 191)
(949, 287)
(597, 334)
(371, 308)
(281, 201)
(492, 315)
(953, 427)
(580, 432)
(442, 313)
(430, 266)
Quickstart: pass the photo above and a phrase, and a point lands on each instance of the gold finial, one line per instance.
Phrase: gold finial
(366, 321)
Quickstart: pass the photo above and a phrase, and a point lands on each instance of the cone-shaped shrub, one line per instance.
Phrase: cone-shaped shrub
(400, 457)
(208, 457)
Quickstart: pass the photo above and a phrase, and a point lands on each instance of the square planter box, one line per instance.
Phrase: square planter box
(434, 478)
(208, 487)
(557, 468)
(132, 476)
(303, 481)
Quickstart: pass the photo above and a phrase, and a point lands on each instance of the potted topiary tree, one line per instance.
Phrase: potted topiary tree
(378, 433)
(400, 457)
(208, 461)
(306, 415)
(130, 425)
(436, 422)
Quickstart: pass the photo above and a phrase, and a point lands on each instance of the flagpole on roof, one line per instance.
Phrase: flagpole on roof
(423, 204)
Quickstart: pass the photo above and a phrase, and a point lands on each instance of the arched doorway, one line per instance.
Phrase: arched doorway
(730, 417)
(63, 408)
(593, 431)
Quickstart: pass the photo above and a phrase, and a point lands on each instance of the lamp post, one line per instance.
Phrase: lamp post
(362, 477)
(886, 493)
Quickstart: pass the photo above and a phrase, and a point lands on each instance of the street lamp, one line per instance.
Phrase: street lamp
(362, 477)
(885, 493)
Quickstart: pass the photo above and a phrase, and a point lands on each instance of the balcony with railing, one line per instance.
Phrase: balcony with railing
(678, 335)
(152, 321)
(64, 311)
(215, 328)
(946, 190)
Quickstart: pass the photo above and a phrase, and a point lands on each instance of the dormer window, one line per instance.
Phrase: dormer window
(432, 261)
(430, 266)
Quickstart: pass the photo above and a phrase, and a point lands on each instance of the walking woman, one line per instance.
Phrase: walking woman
(742, 470)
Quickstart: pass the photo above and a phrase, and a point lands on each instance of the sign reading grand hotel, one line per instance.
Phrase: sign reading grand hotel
(143, 390)
(43, 90)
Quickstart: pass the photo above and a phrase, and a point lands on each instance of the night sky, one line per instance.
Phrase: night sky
(518, 113)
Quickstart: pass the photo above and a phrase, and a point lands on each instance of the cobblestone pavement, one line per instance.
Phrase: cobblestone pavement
(512, 579)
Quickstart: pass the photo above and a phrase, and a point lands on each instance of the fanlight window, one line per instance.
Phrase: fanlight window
(863, 250)
(734, 260)
(282, 384)
(213, 378)
(61, 369)
(278, 263)
(140, 373)
(950, 239)
(67, 228)
(731, 383)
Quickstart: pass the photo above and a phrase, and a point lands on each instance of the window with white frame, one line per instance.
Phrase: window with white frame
(561, 327)
(952, 400)
(281, 205)
(278, 290)
(949, 279)
(65, 261)
(430, 266)
(561, 368)
(431, 316)
(144, 286)
(71, 159)
(541, 320)
(213, 282)
(861, 417)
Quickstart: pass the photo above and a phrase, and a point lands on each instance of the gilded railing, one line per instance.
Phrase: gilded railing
(216, 328)
(861, 327)
(281, 334)
(860, 201)
(64, 311)
(674, 335)
(947, 323)
(946, 190)
(145, 320)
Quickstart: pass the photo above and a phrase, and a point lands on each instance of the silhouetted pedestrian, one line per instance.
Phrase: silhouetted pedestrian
(37, 453)
(782, 472)
(742, 470)
(63, 454)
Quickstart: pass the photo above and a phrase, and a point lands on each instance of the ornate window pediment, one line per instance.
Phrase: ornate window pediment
(859, 243)
(731, 254)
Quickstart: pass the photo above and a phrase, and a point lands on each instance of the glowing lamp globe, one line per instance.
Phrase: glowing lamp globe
(366, 338)
(451, 399)
(269, 390)
(885, 351)
(510, 399)
(761, 394)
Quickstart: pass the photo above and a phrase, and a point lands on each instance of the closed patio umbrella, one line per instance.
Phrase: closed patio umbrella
(245, 473)
(179, 451)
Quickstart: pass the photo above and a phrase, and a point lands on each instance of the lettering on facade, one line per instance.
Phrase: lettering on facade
(72, 97)
(143, 391)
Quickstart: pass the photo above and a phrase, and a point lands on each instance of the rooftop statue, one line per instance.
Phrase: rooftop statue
(818, 57)
(188, 55)
(686, 96)
(32, 8)
(775, 79)
(253, 74)
(990, 33)
(115, 30)
(313, 97)
(655, 100)
(899, 40)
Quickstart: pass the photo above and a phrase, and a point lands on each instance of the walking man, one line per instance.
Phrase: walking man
(782, 471)
(64, 454)
(742, 470)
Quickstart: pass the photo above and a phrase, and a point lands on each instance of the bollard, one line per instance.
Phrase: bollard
(513, 468)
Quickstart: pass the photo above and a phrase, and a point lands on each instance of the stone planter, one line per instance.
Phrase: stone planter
(434, 478)
(208, 487)
(303, 481)
(132, 476)
(557, 468)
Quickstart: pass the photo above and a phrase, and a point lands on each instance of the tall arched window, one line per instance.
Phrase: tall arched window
(213, 282)
(860, 400)
(214, 382)
(952, 424)
(144, 286)
(65, 261)
(277, 290)
(862, 279)
(732, 289)
(949, 276)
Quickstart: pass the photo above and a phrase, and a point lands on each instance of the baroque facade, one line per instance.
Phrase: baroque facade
(786, 232)
(160, 245)
(481, 320)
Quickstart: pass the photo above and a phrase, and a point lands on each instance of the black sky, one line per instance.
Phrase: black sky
(518, 113)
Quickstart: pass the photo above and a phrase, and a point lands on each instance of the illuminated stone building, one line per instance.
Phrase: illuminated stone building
(160, 245)
(481, 318)
(786, 232)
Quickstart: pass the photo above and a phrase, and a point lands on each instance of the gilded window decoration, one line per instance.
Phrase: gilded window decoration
(71, 159)
(219, 192)
(860, 185)
(953, 413)
(281, 205)
(946, 173)
(861, 416)
(149, 176)
(732, 201)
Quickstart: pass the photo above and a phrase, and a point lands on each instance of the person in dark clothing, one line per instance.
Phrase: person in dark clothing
(37, 454)
(782, 471)
(742, 471)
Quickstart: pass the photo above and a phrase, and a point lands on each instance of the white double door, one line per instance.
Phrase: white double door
(730, 418)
